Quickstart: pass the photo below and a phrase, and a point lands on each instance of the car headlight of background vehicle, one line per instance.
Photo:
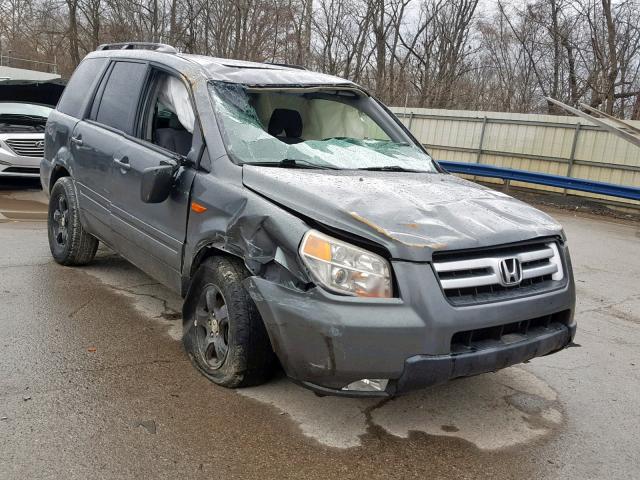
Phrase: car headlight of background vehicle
(345, 268)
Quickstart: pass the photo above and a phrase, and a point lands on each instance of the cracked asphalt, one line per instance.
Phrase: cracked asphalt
(94, 384)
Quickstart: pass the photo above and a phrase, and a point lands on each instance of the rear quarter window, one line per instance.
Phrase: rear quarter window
(120, 96)
(77, 92)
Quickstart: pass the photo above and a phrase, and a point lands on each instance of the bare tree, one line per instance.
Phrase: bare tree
(426, 53)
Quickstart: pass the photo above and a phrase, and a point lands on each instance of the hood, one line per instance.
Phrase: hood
(410, 214)
(30, 91)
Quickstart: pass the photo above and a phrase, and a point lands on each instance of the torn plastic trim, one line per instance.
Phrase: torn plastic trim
(296, 277)
(279, 269)
(247, 226)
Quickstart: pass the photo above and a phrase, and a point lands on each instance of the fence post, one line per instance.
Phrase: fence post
(484, 126)
(410, 121)
(572, 156)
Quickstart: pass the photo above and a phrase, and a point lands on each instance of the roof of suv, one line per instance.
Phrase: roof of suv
(253, 73)
(234, 71)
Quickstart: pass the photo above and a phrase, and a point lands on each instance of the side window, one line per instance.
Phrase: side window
(119, 99)
(169, 118)
(74, 98)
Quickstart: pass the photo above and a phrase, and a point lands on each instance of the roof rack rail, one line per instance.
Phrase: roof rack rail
(289, 65)
(158, 47)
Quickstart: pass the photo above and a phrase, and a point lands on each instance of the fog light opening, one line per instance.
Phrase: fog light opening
(368, 385)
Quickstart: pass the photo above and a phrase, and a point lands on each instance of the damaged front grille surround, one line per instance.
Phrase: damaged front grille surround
(499, 273)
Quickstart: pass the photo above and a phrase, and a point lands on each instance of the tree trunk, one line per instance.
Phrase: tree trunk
(74, 49)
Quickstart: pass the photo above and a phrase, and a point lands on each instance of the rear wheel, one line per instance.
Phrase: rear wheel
(225, 336)
(68, 241)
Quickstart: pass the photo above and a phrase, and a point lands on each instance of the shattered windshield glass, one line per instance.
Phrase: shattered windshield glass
(324, 127)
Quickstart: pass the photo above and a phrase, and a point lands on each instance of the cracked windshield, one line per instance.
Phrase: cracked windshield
(313, 128)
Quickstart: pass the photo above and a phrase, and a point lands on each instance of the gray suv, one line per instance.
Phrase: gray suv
(301, 222)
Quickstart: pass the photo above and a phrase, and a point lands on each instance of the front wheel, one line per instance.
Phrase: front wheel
(224, 335)
(68, 241)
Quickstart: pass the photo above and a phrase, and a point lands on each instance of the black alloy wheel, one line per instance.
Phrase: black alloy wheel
(60, 221)
(212, 323)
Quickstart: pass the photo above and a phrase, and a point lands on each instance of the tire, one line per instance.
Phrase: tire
(69, 243)
(225, 337)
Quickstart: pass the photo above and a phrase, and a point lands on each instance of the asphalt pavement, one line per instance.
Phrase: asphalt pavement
(94, 384)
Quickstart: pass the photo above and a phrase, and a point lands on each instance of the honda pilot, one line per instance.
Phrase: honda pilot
(301, 222)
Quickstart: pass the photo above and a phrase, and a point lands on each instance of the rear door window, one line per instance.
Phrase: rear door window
(118, 102)
(75, 96)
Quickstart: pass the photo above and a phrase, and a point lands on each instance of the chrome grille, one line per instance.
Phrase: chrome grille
(479, 276)
(26, 147)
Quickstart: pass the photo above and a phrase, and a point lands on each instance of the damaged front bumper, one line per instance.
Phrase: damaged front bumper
(327, 342)
(421, 371)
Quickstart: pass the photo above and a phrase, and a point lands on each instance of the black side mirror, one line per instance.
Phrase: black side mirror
(157, 183)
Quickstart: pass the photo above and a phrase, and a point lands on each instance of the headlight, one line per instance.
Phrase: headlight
(344, 268)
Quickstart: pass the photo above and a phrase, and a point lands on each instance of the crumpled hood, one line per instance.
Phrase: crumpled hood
(410, 214)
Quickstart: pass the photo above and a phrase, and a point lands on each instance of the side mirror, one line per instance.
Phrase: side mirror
(157, 183)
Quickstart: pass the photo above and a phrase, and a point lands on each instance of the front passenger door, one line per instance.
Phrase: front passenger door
(152, 235)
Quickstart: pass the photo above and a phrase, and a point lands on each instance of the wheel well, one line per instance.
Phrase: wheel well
(58, 172)
(203, 254)
(206, 252)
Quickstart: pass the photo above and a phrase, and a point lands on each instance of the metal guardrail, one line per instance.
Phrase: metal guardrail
(600, 188)
(528, 156)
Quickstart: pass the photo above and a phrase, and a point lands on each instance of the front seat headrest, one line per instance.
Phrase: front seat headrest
(284, 119)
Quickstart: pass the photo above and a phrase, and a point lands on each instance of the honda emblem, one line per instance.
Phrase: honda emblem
(510, 272)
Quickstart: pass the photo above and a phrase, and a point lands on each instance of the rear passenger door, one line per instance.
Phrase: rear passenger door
(64, 145)
(150, 235)
(98, 139)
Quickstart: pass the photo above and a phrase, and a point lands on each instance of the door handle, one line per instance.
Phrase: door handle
(77, 140)
(123, 163)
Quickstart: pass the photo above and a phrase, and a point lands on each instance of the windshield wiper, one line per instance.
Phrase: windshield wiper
(392, 168)
(292, 163)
